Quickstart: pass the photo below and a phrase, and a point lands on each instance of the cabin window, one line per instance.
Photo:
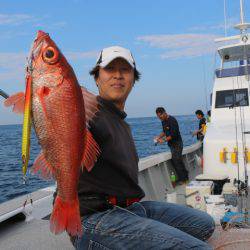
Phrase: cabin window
(231, 98)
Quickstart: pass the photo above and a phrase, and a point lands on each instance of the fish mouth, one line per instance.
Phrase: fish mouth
(35, 49)
(40, 34)
(38, 40)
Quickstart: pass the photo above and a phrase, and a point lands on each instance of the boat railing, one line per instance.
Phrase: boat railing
(154, 177)
(155, 171)
(235, 71)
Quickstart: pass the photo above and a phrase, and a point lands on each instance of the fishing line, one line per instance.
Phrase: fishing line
(204, 82)
(243, 136)
(236, 135)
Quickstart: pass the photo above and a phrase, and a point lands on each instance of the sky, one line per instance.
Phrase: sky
(172, 43)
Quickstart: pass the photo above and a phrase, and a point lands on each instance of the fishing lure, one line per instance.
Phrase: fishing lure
(26, 128)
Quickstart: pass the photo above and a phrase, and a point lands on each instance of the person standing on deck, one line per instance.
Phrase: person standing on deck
(202, 123)
(172, 135)
(113, 217)
(209, 116)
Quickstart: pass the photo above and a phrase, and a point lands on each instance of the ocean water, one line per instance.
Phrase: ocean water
(11, 183)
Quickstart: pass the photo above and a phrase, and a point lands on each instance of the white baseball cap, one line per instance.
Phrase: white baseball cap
(107, 55)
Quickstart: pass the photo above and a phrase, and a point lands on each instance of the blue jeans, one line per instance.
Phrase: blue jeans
(146, 225)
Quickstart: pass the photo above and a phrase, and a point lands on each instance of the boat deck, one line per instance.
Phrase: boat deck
(35, 234)
(15, 206)
(32, 235)
(28, 228)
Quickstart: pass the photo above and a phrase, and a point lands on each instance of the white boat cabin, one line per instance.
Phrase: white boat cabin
(227, 139)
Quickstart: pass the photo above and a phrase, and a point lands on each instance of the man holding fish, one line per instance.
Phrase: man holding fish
(87, 146)
(113, 216)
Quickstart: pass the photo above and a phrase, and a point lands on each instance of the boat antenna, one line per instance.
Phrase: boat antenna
(241, 12)
(242, 26)
(225, 18)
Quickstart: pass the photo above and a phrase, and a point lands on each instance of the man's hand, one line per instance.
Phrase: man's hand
(158, 139)
(168, 138)
(195, 133)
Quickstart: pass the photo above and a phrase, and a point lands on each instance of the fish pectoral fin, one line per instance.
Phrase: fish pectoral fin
(42, 168)
(17, 101)
(91, 152)
(90, 104)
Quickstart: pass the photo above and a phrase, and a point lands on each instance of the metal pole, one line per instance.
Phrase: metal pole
(241, 12)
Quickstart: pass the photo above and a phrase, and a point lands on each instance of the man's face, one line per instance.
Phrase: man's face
(199, 116)
(115, 81)
(162, 116)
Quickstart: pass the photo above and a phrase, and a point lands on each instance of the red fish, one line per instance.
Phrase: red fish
(60, 111)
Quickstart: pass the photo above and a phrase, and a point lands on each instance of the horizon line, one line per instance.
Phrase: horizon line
(139, 117)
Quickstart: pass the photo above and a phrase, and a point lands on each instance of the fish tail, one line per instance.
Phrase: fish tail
(66, 216)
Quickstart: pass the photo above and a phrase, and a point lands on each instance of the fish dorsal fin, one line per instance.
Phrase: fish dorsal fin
(91, 152)
(90, 104)
(42, 168)
(17, 101)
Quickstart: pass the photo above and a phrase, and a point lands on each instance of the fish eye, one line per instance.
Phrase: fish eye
(50, 55)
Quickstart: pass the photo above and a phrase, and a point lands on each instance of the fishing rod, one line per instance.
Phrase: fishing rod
(26, 136)
(3, 94)
(25, 165)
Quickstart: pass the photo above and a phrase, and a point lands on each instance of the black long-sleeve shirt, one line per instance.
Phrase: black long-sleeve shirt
(200, 135)
(116, 171)
(171, 128)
